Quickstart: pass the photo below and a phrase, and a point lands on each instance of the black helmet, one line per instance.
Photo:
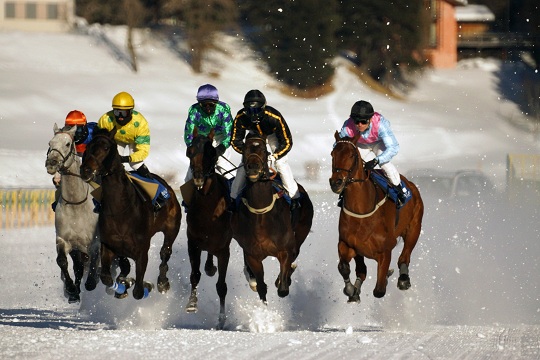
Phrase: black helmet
(254, 104)
(362, 110)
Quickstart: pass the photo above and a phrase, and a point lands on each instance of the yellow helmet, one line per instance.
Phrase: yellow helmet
(123, 101)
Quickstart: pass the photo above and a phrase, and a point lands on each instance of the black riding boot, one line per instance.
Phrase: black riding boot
(402, 195)
(144, 172)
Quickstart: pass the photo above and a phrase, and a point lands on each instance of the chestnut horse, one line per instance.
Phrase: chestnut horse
(127, 220)
(208, 221)
(369, 223)
(262, 224)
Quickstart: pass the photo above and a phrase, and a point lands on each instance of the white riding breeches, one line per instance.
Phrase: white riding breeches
(390, 170)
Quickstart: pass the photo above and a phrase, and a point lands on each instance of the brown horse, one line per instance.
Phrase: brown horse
(369, 223)
(127, 220)
(262, 224)
(208, 221)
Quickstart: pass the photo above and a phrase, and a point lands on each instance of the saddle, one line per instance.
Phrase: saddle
(378, 177)
(155, 189)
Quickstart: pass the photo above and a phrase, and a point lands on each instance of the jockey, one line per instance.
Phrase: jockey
(259, 118)
(133, 132)
(207, 114)
(375, 135)
(83, 135)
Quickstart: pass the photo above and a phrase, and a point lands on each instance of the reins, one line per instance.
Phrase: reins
(64, 170)
(350, 180)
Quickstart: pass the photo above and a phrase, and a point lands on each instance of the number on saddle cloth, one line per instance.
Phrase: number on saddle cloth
(156, 190)
(380, 179)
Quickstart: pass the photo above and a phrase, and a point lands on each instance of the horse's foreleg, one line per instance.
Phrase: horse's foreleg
(409, 242)
(383, 264)
(250, 276)
(106, 261)
(221, 285)
(256, 267)
(163, 284)
(92, 278)
(195, 260)
(141, 288)
(61, 259)
(345, 256)
(78, 268)
(283, 280)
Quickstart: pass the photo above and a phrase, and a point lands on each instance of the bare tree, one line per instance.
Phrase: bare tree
(202, 19)
(134, 12)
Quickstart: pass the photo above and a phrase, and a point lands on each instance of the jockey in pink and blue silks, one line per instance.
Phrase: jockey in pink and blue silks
(375, 135)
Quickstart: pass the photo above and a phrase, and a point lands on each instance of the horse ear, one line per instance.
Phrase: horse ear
(112, 132)
(195, 131)
(72, 131)
(55, 128)
(212, 133)
(336, 135)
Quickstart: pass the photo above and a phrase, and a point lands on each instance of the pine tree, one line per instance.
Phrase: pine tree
(296, 39)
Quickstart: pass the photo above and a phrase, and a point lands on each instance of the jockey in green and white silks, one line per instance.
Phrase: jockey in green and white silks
(376, 136)
(207, 114)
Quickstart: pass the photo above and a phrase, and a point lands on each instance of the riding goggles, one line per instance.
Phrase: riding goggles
(81, 134)
(357, 120)
(122, 113)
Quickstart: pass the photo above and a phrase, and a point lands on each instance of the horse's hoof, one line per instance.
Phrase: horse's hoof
(121, 296)
(74, 299)
(90, 285)
(379, 294)
(221, 322)
(163, 287)
(191, 306)
(404, 282)
(210, 270)
(354, 299)
(283, 293)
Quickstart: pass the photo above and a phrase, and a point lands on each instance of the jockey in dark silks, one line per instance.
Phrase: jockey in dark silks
(259, 118)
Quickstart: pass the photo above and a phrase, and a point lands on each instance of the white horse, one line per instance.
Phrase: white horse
(75, 221)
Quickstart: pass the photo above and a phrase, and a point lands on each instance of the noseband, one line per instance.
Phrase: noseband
(263, 175)
(72, 153)
(349, 179)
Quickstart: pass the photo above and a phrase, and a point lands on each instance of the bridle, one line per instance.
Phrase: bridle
(263, 175)
(101, 168)
(200, 148)
(64, 170)
(349, 179)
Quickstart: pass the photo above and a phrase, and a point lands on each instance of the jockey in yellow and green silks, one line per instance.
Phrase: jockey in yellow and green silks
(133, 133)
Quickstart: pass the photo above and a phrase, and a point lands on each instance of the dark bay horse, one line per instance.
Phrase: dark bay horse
(74, 220)
(369, 223)
(262, 224)
(127, 220)
(208, 221)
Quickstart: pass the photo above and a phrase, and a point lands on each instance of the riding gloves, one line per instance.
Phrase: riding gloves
(370, 165)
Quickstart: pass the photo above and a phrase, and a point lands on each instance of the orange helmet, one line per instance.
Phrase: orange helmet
(75, 117)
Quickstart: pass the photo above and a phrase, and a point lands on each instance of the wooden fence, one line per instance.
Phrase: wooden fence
(23, 208)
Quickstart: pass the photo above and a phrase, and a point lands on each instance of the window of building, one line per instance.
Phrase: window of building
(31, 11)
(9, 10)
(52, 11)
